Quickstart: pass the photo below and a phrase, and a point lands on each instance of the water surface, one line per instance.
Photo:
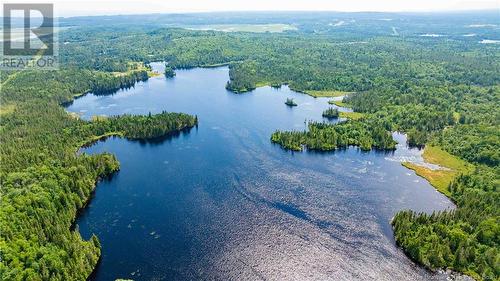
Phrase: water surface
(222, 202)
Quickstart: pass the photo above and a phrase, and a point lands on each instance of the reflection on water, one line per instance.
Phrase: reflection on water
(223, 202)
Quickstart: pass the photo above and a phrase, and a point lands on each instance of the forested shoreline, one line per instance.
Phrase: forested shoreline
(444, 93)
(324, 137)
(44, 182)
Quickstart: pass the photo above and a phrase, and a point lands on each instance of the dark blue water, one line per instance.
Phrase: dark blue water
(222, 202)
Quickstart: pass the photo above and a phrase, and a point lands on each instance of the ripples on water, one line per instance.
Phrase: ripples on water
(222, 202)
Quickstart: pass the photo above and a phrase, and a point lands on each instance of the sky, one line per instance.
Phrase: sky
(67, 8)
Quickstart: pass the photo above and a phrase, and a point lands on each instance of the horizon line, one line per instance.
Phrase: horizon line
(287, 11)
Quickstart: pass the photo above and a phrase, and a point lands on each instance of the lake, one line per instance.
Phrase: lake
(222, 202)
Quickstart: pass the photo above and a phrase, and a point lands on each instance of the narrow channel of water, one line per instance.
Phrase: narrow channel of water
(223, 202)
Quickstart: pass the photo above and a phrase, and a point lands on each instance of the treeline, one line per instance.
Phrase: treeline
(463, 120)
(476, 143)
(331, 113)
(466, 239)
(446, 93)
(304, 61)
(56, 85)
(44, 182)
(424, 112)
(104, 84)
(144, 126)
(39, 204)
(419, 118)
(169, 71)
(242, 79)
(323, 136)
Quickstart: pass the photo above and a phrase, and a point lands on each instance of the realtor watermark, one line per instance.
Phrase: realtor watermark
(29, 38)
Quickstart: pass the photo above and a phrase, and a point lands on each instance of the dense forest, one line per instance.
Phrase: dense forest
(331, 113)
(441, 92)
(323, 136)
(44, 182)
(466, 239)
(169, 72)
(140, 127)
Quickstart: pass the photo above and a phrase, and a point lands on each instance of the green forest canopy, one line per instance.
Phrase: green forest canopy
(444, 92)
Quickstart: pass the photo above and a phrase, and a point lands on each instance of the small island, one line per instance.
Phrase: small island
(169, 71)
(331, 113)
(290, 102)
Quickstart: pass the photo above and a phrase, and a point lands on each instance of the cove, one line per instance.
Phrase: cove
(222, 202)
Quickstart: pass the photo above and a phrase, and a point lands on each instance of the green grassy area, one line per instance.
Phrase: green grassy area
(436, 155)
(262, 84)
(43, 186)
(153, 74)
(440, 179)
(351, 115)
(7, 108)
(328, 94)
(339, 103)
(133, 67)
(256, 28)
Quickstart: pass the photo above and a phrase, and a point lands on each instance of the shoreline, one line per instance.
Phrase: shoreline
(440, 178)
